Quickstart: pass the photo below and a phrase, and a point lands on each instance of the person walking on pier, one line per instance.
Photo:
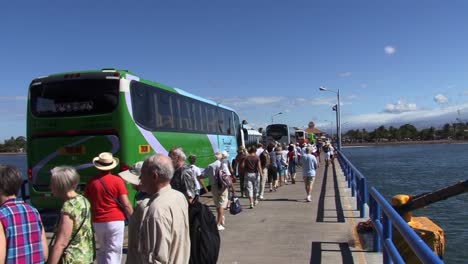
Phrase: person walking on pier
(74, 239)
(272, 169)
(309, 165)
(265, 163)
(281, 164)
(197, 175)
(164, 235)
(22, 236)
(252, 170)
(109, 208)
(239, 170)
(220, 196)
(292, 163)
(183, 179)
(132, 176)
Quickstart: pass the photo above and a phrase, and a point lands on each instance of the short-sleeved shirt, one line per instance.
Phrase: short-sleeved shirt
(103, 206)
(309, 165)
(183, 181)
(80, 249)
(196, 173)
(251, 164)
(22, 226)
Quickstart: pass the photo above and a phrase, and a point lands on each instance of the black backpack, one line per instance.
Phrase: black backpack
(204, 235)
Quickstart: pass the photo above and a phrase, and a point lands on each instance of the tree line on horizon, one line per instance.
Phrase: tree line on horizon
(407, 132)
(456, 131)
(13, 144)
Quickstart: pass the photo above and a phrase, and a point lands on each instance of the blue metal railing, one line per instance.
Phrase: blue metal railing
(356, 181)
(383, 217)
(380, 208)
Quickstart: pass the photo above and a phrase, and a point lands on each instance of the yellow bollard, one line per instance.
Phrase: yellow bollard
(426, 229)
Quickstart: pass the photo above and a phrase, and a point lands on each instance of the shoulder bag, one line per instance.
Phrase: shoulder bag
(116, 200)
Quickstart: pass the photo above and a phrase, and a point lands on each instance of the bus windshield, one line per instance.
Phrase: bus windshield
(74, 98)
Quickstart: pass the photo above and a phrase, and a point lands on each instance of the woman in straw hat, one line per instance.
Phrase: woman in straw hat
(110, 206)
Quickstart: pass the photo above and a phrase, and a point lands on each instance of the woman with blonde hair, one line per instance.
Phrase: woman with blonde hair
(74, 240)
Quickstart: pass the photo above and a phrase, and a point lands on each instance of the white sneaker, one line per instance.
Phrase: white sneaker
(221, 228)
(256, 202)
(308, 198)
(261, 198)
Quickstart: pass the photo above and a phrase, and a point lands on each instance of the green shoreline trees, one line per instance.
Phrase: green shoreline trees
(13, 145)
(407, 132)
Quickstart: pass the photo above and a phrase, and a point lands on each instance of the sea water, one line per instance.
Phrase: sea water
(420, 168)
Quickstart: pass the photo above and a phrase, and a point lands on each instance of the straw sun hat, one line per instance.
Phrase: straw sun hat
(105, 161)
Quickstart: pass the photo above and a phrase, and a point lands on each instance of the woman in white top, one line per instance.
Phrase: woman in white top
(199, 183)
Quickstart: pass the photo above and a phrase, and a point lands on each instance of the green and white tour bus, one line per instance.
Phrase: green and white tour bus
(74, 116)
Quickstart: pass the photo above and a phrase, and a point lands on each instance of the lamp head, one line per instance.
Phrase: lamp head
(321, 88)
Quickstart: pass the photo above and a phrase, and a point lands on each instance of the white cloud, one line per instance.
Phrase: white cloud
(400, 107)
(345, 74)
(249, 101)
(389, 50)
(422, 118)
(440, 99)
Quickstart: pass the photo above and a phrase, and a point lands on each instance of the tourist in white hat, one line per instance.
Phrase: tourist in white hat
(110, 206)
(132, 176)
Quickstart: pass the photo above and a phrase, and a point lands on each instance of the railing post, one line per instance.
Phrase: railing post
(387, 235)
(353, 184)
(375, 216)
(364, 197)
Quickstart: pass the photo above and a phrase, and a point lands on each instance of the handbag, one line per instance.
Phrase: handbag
(121, 207)
(235, 206)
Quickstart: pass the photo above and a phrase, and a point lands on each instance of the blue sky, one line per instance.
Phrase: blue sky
(394, 62)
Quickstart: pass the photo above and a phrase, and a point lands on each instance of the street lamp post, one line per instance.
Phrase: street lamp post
(280, 113)
(338, 113)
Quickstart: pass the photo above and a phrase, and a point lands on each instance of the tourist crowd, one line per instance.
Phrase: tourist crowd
(158, 226)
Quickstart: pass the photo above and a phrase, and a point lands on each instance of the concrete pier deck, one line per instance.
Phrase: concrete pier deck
(285, 228)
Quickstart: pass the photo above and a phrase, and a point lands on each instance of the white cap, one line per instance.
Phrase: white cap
(225, 154)
(132, 175)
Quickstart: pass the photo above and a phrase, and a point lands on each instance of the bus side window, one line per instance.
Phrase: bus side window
(165, 111)
(185, 119)
(220, 121)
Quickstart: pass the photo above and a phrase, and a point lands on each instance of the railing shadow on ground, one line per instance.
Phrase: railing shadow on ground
(384, 217)
(317, 249)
